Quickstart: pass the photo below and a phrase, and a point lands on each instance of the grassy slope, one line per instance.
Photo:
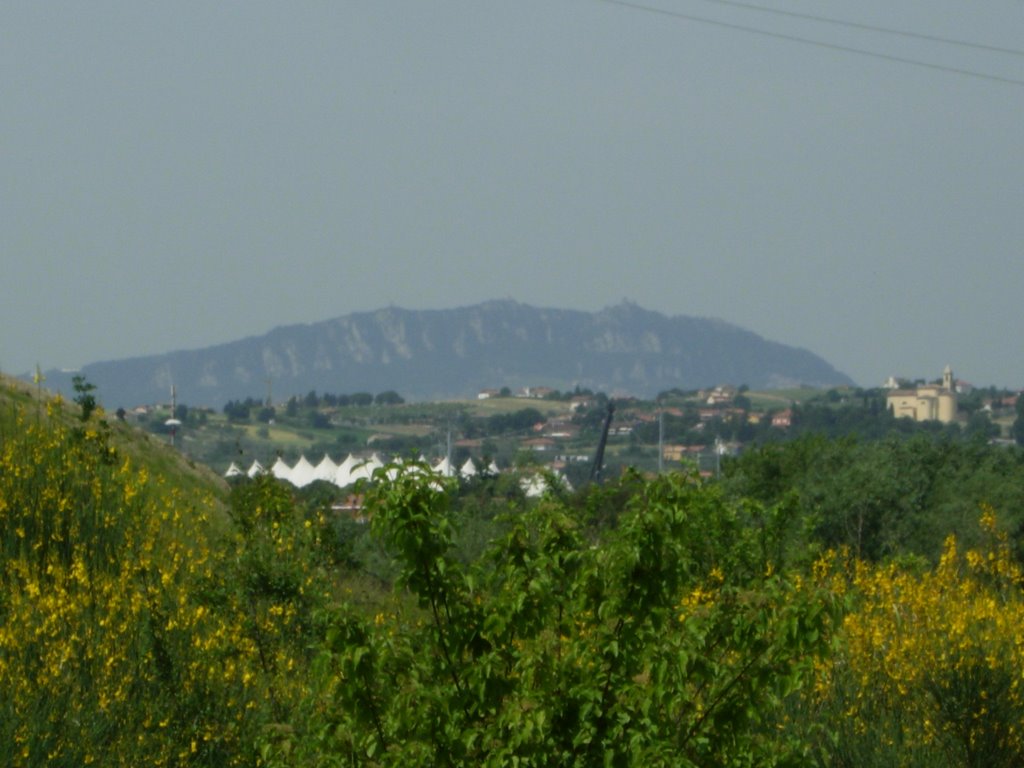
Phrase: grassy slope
(145, 450)
(780, 398)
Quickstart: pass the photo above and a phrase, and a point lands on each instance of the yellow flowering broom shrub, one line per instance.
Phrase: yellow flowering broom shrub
(930, 664)
(126, 636)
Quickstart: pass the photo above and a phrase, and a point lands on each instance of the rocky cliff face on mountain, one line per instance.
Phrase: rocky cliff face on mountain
(439, 354)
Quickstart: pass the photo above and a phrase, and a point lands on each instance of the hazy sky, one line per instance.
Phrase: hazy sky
(179, 174)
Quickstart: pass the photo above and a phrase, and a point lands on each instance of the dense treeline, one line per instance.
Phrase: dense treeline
(522, 420)
(884, 498)
(242, 410)
(868, 418)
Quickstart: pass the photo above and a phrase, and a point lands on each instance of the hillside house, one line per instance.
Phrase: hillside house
(676, 453)
(580, 401)
(574, 458)
(561, 430)
(721, 396)
(535, 393)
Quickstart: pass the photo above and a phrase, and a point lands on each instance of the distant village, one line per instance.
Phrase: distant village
(698, 428)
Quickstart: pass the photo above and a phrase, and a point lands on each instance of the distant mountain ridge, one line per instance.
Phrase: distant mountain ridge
(443, 354)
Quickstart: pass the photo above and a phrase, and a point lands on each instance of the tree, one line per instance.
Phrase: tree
(979, 423)
(1018, 425)
(670, 640)
(361, 398)
(518, 421)
(389, 397)
(84, 396)
(319, 420)
(236, 410)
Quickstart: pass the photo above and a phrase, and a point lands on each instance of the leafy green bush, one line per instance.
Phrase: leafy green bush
(669, 640)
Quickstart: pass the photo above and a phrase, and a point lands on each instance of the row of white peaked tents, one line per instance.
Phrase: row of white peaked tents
(351, 470)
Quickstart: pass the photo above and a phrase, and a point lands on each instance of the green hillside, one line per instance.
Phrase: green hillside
(31, 404)
(782, 616)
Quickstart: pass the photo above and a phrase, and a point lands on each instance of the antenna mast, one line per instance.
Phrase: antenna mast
(173, 422)
(661, 442)
(596, 469)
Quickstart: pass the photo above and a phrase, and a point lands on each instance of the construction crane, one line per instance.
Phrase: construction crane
(598, 467)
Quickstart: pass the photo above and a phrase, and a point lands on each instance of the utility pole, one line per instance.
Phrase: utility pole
(661, 442)
(173, 422)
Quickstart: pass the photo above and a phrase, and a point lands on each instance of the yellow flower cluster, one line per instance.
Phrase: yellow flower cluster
(938, 652)
(122, 638)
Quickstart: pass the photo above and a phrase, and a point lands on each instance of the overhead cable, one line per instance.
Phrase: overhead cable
(810, 41)
(870, 27)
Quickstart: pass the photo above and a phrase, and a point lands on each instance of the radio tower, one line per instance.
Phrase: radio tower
(173, 422)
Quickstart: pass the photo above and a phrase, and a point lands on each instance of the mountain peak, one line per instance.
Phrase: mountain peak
(451, 353)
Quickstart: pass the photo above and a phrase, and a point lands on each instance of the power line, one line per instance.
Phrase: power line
(810, 41)
(870, 27)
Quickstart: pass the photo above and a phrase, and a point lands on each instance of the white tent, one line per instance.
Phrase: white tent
(468, 469)
(302, 473)
(233, 471)
(397, 466)
(361, 471)
(537, 485)
(444, 468)
(349, 462)
(533, 487)
(255, 469)
(374, 463)
(280, 470)
(326, 470)
(343, 475)
(364, 470)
